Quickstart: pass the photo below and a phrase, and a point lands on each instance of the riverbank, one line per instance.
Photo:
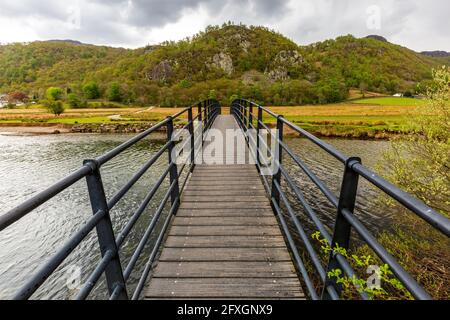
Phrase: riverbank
(344, 120)
(30, 129)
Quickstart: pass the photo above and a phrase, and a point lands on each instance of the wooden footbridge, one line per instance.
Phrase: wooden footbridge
(224, 241)
(224, 229)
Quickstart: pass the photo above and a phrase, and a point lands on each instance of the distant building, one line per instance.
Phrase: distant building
(3, 100)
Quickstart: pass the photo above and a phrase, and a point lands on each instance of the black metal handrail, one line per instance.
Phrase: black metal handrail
(110, 243)
(244, 112)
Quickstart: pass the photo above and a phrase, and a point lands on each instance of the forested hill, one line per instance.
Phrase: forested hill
(223, 62)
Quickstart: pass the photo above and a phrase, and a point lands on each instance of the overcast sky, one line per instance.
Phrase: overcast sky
(417, 24)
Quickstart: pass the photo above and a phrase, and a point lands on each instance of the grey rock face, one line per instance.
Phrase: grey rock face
(161, 72)
(282, 62)
(289, 57)
(222, 61)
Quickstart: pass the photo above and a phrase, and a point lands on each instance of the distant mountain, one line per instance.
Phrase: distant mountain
(376, 37)
(75, 42)
(222, 62)
(436, 54)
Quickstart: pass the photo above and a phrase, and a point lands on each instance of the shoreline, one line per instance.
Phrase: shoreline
(16, 129)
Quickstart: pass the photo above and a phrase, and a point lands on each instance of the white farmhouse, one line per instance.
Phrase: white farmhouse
(3, 100)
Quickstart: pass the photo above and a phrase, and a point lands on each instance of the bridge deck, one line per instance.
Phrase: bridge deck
(225, 241)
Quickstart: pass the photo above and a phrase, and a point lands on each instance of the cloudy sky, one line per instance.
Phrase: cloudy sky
(417, 24)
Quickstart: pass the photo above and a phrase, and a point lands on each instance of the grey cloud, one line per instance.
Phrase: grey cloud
(418, 24)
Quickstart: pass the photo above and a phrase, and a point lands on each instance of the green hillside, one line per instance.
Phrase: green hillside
(223, 62)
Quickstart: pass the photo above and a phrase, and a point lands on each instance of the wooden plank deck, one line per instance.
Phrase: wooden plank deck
(225, 242)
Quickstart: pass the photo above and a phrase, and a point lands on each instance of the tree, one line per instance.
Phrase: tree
(233, 98)
(420, 162)
(114, 92)
(212, 94)
(55, 107)
(74, 101)
(54, 93)
(17, 96)
(91, 90)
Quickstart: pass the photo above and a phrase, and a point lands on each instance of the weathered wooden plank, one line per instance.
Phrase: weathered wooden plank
(226, 188)
(225, 254)
(225, 198)
(242, 179)
(225, 167)
(225, 221)
(233, 269)
(223, 205)
(224, 288)
(220, 173)
(225, 242)
(226, 193)
(224, 184)
(231, 170)
(249, 212)
(224, 231)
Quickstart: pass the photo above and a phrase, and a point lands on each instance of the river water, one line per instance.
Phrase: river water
(29, 164)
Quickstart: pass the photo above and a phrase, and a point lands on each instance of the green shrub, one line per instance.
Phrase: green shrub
(114, 93)
(91, 90)
(54, 93)
(74, 101)
(55, 107)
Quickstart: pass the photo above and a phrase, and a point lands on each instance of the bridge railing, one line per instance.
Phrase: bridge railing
(110, 243)
(250, 116)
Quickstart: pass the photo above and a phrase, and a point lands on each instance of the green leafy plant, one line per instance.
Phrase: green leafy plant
(393, 288)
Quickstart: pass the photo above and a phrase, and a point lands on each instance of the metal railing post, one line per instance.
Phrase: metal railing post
(200, 117)
(191, 133)
(205, 117)
(250, 116)
(342, 228)
(258, 136)
(105, 232)
(277, 158)
(241, 114)
(175, 194)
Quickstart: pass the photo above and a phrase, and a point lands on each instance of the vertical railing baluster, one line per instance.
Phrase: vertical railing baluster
(199, 110)
(258, 136)
(192, 137)
(277, 158)
(342, 228)
(206, 113)
(250, 116)
(105, 232)
(175, 194)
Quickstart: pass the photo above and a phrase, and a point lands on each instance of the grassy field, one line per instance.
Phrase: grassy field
(348, 119)
(356, 119)
(392, 101)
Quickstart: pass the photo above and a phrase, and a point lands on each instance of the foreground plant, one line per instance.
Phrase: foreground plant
(388, 286)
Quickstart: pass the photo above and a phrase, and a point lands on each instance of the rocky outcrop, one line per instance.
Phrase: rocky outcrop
(110, 128)
(277, 74)
(114, 128)
(253, 77)
(161, 72)
(289, 57)
(222, 61)
(284, 60)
